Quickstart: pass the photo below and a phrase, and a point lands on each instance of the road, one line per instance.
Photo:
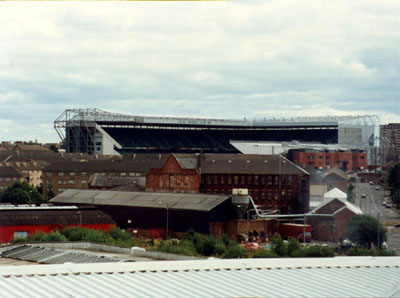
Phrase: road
(372, 204)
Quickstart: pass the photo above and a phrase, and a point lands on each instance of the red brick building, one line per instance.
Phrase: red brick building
(179, 173)
(330, 219)
(353, 160)
(274, 182)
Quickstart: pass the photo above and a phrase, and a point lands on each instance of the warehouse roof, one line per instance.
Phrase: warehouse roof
(52, 216)
(180, 201)
(52, 256)
(248, 164)
(319, 277)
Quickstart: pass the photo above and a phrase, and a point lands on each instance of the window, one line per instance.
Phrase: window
(263, 180)
(269, 180)
(250, 179)
(131, 174)
(83, 174)
(229, 179)
(242, 179)
(123, 174)
(263, 196)
(320, 157)
(276, 196)
(208, 179)
(289, 181)
(269, 196)
(49, 174)
(72, 174)
(276, 180)
(60, 174)
(20, 235)
(256, 180)
(222, 180)
(283, 195)
(83, 181)
(283, 177)
(235, 180)
(71, 182)
(215, 179)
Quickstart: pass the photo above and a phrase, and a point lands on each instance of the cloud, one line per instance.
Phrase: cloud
(230, 59)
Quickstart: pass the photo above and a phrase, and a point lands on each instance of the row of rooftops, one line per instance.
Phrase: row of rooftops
(206, 163)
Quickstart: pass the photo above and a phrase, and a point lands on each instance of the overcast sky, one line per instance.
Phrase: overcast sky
(196, 59)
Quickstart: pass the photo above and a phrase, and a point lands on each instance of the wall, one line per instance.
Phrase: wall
(270, 192)
(172, 178)
(7, 232)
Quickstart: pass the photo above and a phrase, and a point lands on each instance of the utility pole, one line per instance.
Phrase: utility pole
(379, 215)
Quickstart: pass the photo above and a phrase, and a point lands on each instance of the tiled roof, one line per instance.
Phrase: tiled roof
(248, 164)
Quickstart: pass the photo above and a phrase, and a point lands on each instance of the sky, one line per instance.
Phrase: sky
(226, 59)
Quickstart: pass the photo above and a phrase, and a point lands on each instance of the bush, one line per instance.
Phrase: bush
(279, 247)
(263, 253)
(93, 235)
(292, 246)
(235, 252)
(363, 230)
(118, 234)
(55, 237)
(318, 251)
(37, 237)
(185, 248)
(362, 251)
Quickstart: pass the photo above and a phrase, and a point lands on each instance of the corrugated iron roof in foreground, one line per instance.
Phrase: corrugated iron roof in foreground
(322, 277)
(182, 201)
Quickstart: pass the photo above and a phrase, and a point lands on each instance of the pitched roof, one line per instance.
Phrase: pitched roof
(9, 172)
(187, 161)
(179, 201)
(139, 166)
(248, 164)
(346, 204)
(335, 193)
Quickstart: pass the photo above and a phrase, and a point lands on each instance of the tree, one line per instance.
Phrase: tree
(22, 193)
(363, 230)
(394, 184)
(350, 196)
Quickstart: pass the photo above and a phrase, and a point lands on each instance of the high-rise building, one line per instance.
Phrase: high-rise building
(390, 141)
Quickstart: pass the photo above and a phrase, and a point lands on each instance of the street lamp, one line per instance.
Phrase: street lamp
(167, 206)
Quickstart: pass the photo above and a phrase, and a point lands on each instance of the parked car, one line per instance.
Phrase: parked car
(252, 245)
(363, 195)
(389, 205)
(377, 187)
(371, 183)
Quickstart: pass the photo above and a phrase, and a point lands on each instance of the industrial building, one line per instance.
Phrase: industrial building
(23, 221)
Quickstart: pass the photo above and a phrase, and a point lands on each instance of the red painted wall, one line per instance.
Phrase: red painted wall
(7, 232)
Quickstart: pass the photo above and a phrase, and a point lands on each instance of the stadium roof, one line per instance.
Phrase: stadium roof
(318, 277)
(179, 201)
(97, 115)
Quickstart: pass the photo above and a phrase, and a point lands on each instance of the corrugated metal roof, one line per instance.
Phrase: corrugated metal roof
(52, 256)
(181, 201)
(331, 277)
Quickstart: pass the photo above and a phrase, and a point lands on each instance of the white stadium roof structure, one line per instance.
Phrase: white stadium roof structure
(315, 277)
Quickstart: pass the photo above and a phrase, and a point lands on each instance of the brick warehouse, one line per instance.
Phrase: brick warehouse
(273, 181)
(180, 173)
(330, 219)
(353, 160)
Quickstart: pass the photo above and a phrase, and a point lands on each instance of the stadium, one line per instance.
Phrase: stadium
(94, 131)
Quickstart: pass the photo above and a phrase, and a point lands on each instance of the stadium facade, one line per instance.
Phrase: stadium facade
(95, 131)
